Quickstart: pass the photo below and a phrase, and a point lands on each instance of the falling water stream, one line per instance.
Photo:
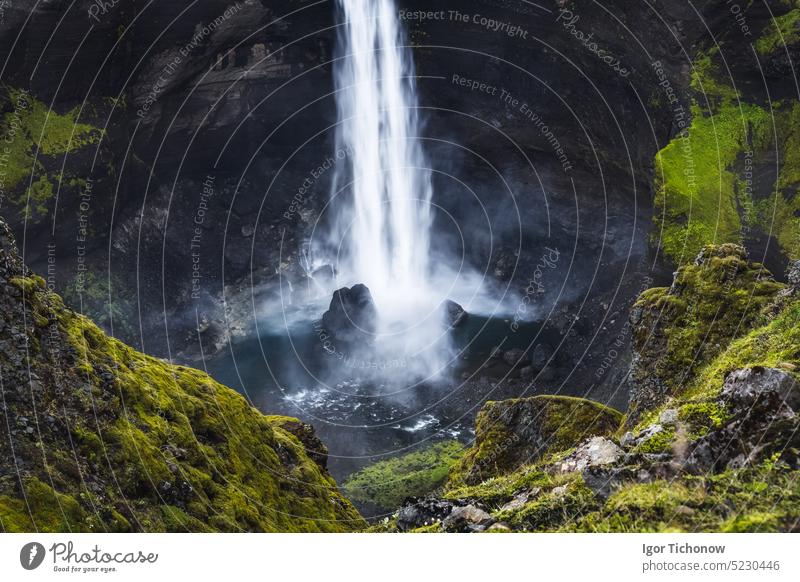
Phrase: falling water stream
(383, 193)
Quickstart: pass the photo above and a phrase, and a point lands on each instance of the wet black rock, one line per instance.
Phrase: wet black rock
(454, 314)
(419, 512)
(351, 316)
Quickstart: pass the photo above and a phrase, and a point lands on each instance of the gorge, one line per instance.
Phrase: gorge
(453, 260)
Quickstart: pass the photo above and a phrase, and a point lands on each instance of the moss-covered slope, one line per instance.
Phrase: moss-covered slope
(512, 433)
(98, 437)
(678, 329)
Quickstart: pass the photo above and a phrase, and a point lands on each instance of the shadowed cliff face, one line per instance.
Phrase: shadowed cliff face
(214, 161)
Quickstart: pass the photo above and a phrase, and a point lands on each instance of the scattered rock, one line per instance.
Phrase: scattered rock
(668, 417)
(627, 440)
(764, 387)
(764, 405)
(468, 518)
(521, 499)
(648, 433)
(604, 480)
(419, 512)
(793, 274)
(594, 452)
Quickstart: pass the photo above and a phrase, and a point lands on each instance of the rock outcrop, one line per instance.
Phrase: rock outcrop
(513, 433)
(351, 317)
(677, 329)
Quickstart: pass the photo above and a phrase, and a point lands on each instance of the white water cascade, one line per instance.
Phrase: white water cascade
(384, 190)
(387, 239)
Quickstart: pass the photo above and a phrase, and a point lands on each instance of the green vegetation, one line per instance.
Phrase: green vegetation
(387, 483)
(775, 344)
(157, 447)
(514, 432)
(697, 183)
(779, 214)
(782, 31)
(709, 304)
(32, 134)
(704, 184)
(762, 498)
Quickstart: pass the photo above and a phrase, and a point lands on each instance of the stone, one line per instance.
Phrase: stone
(627, 440)
(668, 417)
(468, 518)
(351, 316)
(763, 404)
(419, 512)
(604, 480)
(454, 314)
(521, 499)
(648, 433)
(766, 386)
(793, 274)
(594, 452)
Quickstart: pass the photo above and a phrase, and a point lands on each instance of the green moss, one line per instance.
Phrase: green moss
(569, 420)
(661, 442)
(41, 509)
(697, 186)
(683, 328)
(702, 417)
(548, 511)
(774, 344)
(506, 433)
(780, 32)
(756, 522)
(32, 132)
(779, 213)
(704, 191)
(169, 448)
(762, 498)
(387, 483)
(496, 491)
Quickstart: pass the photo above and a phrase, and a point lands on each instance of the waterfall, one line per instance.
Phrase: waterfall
(384, 229)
